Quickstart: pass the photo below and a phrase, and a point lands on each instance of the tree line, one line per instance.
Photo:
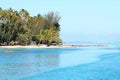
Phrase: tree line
(19, 28)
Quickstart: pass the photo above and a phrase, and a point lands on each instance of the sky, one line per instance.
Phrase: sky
(81, 20)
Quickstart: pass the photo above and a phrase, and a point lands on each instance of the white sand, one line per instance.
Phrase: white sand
(57, 46)
(35, 46)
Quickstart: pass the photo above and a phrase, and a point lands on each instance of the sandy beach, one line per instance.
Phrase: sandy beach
(36, 46)
(57, 46)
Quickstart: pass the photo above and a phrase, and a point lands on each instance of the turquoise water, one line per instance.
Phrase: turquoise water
(92, 63)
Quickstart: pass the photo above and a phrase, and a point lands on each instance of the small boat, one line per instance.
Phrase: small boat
(8, 51)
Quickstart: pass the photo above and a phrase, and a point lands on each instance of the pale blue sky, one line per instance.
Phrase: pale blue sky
(82, 20)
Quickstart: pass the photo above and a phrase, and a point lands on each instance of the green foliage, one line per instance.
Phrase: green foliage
(22, 39)
(12, 43)
(22, 29)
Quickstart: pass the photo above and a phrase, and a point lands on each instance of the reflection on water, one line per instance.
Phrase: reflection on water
(27, 62)
(23, 63)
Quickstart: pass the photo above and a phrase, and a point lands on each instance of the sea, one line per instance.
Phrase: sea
(81, 63)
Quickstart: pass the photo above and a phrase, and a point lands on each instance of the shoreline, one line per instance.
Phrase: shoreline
(38, 46)
(57, 46)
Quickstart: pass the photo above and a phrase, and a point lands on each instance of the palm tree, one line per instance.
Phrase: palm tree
(22, 28)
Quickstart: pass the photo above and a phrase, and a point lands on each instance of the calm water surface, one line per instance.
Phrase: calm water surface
(60, 64)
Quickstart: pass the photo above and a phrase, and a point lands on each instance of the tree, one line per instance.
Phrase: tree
(54, 19)
(20, 28)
